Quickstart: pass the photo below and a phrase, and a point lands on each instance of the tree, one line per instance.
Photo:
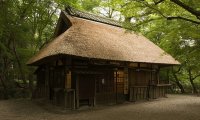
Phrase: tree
(26, 25)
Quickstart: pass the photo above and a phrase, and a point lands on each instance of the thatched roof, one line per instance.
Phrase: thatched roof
(90, 38)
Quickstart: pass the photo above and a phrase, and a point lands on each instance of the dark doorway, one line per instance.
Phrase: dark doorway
(105, 88)
(86, 89)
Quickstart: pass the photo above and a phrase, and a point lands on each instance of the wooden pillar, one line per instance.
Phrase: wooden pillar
(131, 94)
(116, 84)
(47, 82)
(77, 91)
(94, 100)
(158, 78)
(126, 81)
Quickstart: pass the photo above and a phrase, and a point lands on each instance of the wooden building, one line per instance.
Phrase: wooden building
(94, 61)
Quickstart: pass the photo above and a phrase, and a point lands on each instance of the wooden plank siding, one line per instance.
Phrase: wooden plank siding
(147, 92)
(144, 83)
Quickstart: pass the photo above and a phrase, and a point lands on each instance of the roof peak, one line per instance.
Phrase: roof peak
(81, 14)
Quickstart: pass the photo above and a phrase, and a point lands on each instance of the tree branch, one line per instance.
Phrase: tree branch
(171, 17)
(182, 18)
(186, 7)
(179, 69)
(158, 2)
(196, 76)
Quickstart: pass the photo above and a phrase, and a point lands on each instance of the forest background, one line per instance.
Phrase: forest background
(27, 25)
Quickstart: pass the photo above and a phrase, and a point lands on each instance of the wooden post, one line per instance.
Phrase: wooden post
(94, 100)
(158, 78)
(116, 85)
(77, 92)
(131, 94)
(65, 97)
(47, 82)
(74, 101)
(135, 93)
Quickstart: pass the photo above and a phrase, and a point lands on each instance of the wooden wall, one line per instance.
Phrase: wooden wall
(67, 80)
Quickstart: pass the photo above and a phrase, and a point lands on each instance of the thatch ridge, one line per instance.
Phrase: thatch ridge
(81, 14)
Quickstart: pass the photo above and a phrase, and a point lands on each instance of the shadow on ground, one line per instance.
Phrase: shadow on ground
(175, 107)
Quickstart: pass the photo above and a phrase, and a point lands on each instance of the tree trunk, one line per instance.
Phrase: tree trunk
(193, 86)
(30, 84)
(3, 74)
(178, 83)
(18, 61)
(191, 79)
(5, 87)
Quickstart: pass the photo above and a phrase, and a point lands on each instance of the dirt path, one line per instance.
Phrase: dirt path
(175, 107)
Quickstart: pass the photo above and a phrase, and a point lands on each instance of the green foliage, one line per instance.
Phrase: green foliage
(88, 5)
(26, 25)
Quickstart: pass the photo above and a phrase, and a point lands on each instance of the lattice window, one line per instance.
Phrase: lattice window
(121, 79)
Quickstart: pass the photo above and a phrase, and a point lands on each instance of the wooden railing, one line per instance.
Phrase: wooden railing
(64, 97)
(39, 93)
(138, 92)
(61, 97)
(148, 92)
(162, 89)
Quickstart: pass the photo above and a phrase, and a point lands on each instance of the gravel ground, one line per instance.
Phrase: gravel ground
(175, 107)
